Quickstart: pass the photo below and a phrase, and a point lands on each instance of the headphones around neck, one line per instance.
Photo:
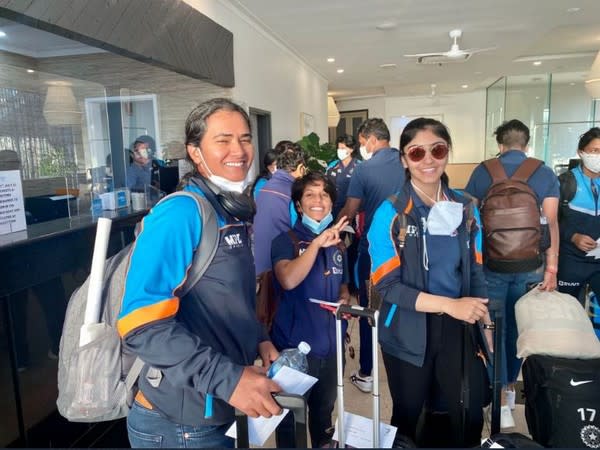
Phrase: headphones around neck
(239, 205)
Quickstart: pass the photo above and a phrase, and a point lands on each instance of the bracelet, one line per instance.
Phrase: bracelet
(489, 326)
(552, 254)
(552, 270)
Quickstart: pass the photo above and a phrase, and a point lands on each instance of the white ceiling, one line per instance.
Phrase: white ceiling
(346, 30)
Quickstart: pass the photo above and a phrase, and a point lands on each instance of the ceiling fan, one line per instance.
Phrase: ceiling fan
(455, 54)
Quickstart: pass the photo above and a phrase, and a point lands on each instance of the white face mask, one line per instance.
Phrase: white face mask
(223, 183)
(342, 153)
(364, 153)
(444, 218)
(591, 161)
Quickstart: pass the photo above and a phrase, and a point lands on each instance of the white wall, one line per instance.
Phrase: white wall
(268, 75)
(463, 114)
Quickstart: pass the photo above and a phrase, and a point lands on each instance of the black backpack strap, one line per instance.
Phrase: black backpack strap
(295, 241)
(495, 169)
(568, 188)
(402, 220)
(526, 169)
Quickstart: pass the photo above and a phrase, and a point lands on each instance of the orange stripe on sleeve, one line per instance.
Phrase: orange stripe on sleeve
(478, 257)
(142, 316)
(385, 268)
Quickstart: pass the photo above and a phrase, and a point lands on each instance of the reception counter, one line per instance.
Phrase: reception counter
(41, 267)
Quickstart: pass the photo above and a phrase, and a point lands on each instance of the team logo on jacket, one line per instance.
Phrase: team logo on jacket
(590, 435)
(234, 240)
(338, 261)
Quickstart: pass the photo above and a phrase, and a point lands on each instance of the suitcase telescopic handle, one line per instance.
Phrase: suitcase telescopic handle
(355, 311)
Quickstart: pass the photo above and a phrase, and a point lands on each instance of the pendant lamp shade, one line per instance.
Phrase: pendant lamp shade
(333, 115)
(60, 106)
(592, 82)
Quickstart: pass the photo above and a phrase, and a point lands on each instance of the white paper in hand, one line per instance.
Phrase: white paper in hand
(359, 432)
(292, 382)
(595, 252)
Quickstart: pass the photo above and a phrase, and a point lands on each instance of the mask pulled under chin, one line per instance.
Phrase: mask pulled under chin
(444, 218)
(227, 185)
(316, 226)
(591, 161)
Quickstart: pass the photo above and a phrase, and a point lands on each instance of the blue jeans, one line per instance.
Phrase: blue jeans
(504, 289)
(147, 428)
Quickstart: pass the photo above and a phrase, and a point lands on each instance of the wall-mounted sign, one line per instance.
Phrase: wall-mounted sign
(12, 209)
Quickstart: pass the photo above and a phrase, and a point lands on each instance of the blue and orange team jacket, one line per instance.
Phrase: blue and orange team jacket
(399, 274)
(201, 342)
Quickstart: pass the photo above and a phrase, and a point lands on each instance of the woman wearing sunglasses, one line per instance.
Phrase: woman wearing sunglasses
(425, 247)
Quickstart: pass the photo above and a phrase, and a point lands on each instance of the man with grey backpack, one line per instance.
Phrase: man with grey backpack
(518, 200)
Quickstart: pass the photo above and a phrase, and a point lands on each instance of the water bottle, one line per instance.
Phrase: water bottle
(294, 358)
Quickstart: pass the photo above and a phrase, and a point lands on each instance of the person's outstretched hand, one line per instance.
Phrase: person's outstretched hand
(252, 395)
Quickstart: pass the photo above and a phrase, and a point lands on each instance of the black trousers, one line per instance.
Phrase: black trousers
(410, 386)
(320, 400)
(573, 274)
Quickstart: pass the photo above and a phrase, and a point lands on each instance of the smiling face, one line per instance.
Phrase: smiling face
(226, 148)
(428, 171)
(315, 202)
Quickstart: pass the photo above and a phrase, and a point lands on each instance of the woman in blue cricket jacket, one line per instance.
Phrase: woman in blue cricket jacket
(309, 263)
(580, 221)
(199, 349)
(428, 271)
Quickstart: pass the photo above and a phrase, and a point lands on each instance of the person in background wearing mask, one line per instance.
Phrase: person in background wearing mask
(204, 344)
(309, 262)
(340, 172)
(432, 284)
(373, 181)
(269, 168)
(580, 221)
(341, 169)
(139, 171)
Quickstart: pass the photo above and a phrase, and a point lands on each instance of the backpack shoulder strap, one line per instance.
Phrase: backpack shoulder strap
(402, 220)
(295, 241)
(568, 187)
(526, 169)
(495, 169)
(209, 242)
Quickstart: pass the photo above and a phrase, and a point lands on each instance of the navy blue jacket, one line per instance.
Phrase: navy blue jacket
(297, 319)
(399, 275)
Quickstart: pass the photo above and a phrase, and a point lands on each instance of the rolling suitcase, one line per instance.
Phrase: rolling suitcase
(373, 316)
(297, 406)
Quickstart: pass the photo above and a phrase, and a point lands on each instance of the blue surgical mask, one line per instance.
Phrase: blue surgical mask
(316, 226)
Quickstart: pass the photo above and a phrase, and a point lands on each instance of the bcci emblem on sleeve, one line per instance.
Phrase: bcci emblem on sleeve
(338, 261)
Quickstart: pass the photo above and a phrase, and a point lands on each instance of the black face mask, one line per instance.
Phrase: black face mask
(240, 206)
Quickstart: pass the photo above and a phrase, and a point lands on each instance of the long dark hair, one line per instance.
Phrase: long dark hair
(195, 127)
(269, 158)
(424, 123)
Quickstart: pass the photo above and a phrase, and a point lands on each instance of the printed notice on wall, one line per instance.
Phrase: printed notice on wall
(12, 209)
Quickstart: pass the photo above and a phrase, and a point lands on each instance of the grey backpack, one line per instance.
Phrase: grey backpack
(97, 382)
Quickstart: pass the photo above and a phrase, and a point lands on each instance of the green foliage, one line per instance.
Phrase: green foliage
(53, 164)
(319, 154)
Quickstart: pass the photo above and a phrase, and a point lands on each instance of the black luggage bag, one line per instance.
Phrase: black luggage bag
(562, 401)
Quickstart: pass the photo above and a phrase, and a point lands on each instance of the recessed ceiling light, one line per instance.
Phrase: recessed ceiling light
(537, 63)
(340, 71)
(389, 25)
(537, 97)
(571, 84)
(573, 10)
(478, 72)
(330, 60)
(464, 86)
(388, 66)
(30, 70)
(2, 34)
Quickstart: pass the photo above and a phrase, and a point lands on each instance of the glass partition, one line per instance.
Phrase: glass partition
(74, 115)
(556, 107)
